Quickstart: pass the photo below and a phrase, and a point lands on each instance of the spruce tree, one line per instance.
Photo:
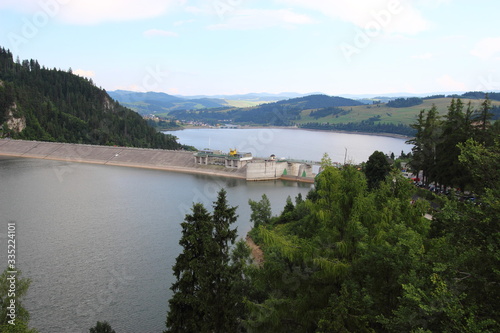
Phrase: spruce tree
(224, 306)
(188, 304)
(207, 294)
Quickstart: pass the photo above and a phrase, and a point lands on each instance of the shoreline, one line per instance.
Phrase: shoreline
(243, 127)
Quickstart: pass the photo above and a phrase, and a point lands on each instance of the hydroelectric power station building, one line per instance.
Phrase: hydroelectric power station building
(256, 168)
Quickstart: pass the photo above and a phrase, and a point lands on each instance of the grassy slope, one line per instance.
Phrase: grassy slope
(387, 114)
(244, 104)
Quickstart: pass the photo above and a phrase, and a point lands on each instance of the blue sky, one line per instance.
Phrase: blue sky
(212, 47)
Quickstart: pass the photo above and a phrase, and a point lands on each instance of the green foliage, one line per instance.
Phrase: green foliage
(355, 260)
(60, 106)
(483, 163)
(326, 161)
(7, 296)
(436, 143)
(405, 102)
(368, 126)
(377, 168)
(208, 291)
(188, 304)
(102, 327)
(261, 211)
(327, 112)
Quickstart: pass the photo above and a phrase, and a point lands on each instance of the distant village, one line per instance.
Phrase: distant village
(159, 120)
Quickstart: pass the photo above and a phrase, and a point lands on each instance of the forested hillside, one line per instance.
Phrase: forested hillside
(37, 103)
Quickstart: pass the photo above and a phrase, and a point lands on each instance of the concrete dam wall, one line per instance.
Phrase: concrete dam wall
(272, 169)
(179, 161)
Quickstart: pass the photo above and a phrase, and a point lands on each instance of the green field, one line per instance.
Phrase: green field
(387, 114)
(244, 104)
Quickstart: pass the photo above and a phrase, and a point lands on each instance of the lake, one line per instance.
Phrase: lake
(99, 241)
(293, 143)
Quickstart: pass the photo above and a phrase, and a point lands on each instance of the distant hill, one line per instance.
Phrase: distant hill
(146, 103)
(255, 97)
(382, 118)
(281, 113)
(317, 102)
(37, 103)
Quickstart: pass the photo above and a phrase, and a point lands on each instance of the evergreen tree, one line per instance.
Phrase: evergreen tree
(188, 305)
(417, 161)
(455, 128)
(101, 327)
(208, 291)
(226, 303)
(482, 119)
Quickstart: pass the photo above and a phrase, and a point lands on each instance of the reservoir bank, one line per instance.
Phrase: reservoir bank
(168, 160)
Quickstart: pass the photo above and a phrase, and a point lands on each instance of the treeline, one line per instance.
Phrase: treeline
(315, 102)
(60, 106)
(405, 102)
(367, 126)
(332, 111)
(478, 95)
(438, 140)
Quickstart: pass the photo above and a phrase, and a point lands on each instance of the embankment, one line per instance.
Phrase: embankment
(178, 161)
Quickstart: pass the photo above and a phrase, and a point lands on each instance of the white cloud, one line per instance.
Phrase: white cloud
(160, 33)
(84, 73)
(487, 48)
(448, 83)
(394, 16)
(93, 11)
(247, 19)
(424, 56)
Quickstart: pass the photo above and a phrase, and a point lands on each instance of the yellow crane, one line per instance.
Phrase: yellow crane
(233, 152)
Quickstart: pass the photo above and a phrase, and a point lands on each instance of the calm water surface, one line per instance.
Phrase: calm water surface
(293, 143)
(99, 241)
